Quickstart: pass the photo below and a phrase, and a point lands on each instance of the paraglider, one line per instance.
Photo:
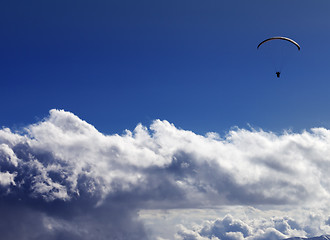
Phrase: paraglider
(290, 41)
(278, 74)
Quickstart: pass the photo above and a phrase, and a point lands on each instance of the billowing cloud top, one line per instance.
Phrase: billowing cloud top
(63, 162)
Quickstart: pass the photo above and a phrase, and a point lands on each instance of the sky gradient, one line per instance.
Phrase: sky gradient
(161, 120)
(118, 63)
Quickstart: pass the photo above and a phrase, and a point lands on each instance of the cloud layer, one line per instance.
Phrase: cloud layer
(76, 182)
(261, 228)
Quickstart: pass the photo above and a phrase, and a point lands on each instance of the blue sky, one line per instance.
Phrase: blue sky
(118, 120)
(193, 63)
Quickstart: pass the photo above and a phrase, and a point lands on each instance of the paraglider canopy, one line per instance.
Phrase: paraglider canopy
(279, 38)
(274, 53)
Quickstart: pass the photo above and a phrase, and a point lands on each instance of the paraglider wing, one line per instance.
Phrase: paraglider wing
(280, 38)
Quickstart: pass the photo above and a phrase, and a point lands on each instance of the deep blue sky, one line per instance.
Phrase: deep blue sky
(193, 63)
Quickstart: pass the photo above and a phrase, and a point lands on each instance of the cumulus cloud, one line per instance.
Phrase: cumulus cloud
(272, 228)
(79, 183)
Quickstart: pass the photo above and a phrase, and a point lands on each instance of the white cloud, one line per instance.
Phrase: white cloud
(260, 228)
(63, 159)
(7, 178)
(8, 155)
